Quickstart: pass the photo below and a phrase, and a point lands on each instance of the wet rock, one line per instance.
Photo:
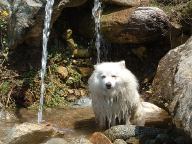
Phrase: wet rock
(163, 138)
(79, 140)
(126, 131)
(133, 140)
(56, 141)
(173, 86)
(27, 18)
(181, 140)
(123, 2)
(28, 133)
(99, 138)
(134, 25)
(62, 71)
(83, 102)
(119, 141)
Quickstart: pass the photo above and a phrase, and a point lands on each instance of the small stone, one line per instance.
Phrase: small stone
(56, 141)
(70, 91)
(71, 98)
(83, 92)
(62, 71)
(77, 93)
(99, 138)
(119, 141)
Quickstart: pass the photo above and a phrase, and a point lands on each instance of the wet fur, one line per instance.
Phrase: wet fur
(119, 104)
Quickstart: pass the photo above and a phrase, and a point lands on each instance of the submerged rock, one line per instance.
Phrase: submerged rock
(56, 141)
(173, 85)
(78, 140)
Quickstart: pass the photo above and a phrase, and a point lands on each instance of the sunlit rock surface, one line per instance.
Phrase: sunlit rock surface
(173, 85)
(28, 133)
(134, 25)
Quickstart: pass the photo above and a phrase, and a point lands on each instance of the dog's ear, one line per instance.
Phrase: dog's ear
(122, 64)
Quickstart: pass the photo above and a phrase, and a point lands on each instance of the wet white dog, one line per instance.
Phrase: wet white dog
(114, 92)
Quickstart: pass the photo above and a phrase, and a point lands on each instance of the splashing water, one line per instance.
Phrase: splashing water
(96, 12)
(46, 32)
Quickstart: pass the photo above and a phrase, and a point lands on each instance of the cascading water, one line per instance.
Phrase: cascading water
(46, 32)
(96, 12)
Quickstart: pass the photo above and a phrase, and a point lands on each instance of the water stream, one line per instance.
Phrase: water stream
(96, 12)
(46, 32)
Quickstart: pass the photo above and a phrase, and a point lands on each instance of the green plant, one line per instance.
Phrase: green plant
(4, 87)
(3, 36)
(75, 78)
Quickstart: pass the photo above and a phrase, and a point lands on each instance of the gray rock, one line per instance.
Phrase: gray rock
(123, 2)
(119, 141)
(27, 18)
(126, 131)
(164, 79)
(173, 85)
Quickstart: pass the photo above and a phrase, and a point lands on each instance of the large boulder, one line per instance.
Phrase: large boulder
(173, 85)
(135, 25)
(27, 18)
(124, 25)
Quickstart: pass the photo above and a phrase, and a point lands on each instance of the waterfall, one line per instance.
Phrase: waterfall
(46, 32)
(96, 12)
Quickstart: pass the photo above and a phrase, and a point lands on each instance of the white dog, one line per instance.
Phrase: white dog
(114, 92)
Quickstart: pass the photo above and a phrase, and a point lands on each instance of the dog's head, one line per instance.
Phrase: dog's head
(109, 74)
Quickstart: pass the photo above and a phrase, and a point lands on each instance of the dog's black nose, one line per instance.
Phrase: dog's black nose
(108, 85)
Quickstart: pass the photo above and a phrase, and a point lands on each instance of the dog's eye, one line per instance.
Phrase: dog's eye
(103, 76)
(114, 76)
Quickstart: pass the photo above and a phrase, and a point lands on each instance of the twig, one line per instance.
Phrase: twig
(8, 96)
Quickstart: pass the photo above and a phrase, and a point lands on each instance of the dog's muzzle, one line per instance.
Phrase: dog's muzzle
(108, 85)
